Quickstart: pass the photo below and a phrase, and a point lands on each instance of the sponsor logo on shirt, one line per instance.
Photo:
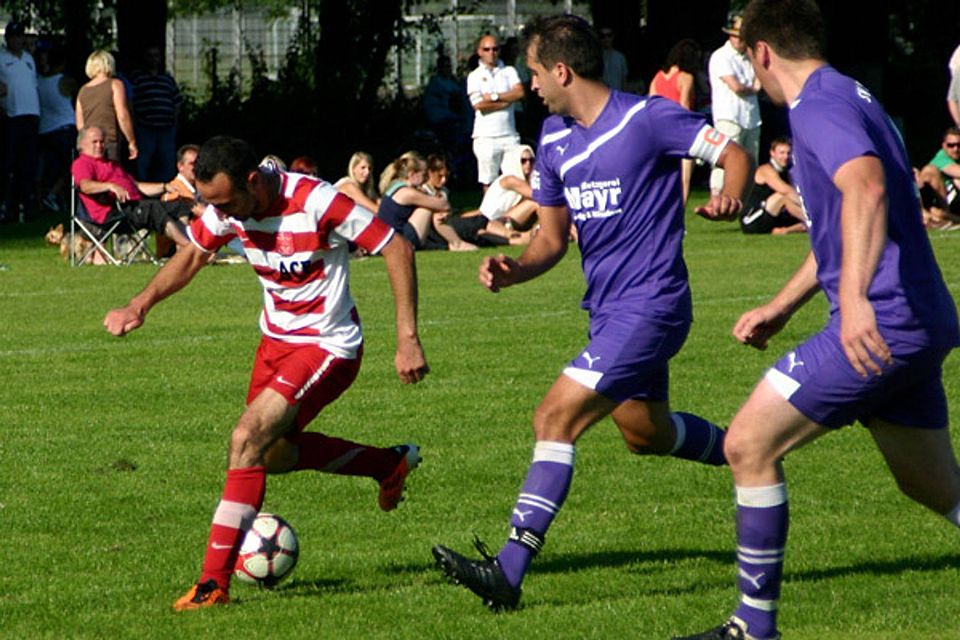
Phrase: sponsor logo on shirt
(594, 199)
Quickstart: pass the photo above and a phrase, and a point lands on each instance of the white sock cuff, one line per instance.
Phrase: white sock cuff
(559, 452)
(681, 428)
(954, 516)
(771, 496)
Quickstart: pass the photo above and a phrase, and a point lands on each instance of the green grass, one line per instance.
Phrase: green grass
(112, 454)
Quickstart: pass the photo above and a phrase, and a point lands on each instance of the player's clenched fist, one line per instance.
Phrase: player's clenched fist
(498, 272)
(122, 321)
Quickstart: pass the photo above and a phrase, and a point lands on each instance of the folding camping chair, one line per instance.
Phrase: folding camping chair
(114, 238)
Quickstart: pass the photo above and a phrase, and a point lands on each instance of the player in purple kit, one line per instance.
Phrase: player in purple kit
(891, 324)
(610, 163)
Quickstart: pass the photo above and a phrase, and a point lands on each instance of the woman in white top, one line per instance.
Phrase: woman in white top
(508, 204)
(358, 183)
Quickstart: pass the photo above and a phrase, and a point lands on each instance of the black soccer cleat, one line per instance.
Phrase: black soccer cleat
(732, 629)
(484, 577)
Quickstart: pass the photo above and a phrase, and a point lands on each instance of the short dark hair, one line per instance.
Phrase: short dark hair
(568, 39)
(224, 154)
(951, 131)
(794, 28)
(182, 151)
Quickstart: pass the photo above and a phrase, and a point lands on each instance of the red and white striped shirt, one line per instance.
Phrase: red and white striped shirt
(298, 247)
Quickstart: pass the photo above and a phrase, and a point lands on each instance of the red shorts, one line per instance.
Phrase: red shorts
(304, 374)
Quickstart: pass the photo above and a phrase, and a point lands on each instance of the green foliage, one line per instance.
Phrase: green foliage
(112, 456)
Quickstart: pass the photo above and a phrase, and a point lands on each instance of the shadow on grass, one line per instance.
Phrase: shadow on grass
(303, 588)
(596, 560)
(879, 568)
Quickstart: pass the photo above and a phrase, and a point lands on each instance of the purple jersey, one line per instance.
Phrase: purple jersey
(835, 120)
(620, 180)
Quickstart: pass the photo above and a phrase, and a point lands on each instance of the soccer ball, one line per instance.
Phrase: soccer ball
(269, 551)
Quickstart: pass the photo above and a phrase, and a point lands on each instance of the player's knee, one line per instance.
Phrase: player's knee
(740, 450)
(550, 423)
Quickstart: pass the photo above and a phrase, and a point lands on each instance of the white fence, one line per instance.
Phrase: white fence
(238, 35)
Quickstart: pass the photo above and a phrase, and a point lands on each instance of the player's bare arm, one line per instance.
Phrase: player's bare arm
(737, 172)
(545, 250)
(410, 361)
(863, 224)
(757, 326)
(174, 275)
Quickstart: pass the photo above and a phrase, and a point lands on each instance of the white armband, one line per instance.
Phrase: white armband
(708, 145)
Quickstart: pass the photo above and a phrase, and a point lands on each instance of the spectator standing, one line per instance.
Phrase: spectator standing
(614, 62)
(58, 131)
(734, 87)
(493, 88)
(102, 102)
(18, 73)
(156, 107)
(953, 92)
(677, 80)
(447, 108)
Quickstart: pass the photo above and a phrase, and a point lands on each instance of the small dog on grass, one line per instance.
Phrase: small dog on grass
(56, 236)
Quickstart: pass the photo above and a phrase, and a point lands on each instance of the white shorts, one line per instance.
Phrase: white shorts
(749, 139)
(489, 152)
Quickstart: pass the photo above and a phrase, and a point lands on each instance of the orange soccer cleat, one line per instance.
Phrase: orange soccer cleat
(200, 595)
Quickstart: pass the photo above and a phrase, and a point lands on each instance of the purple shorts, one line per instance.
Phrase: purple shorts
(820, 382)
(627, 355)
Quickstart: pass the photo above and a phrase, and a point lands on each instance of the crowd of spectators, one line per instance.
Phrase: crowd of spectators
(475, 119)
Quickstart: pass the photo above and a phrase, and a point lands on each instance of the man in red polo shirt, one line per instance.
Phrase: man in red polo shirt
(103, 182)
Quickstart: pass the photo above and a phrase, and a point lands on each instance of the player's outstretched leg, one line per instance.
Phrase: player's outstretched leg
(389, 466)
(393, 486)
(242, 499)
(697, 439)
(497, 580)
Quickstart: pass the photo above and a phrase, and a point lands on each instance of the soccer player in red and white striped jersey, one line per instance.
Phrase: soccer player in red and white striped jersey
(295, 232)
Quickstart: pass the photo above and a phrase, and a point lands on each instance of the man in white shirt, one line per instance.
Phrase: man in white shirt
(18, 73)
(733, 90)
(493, 88)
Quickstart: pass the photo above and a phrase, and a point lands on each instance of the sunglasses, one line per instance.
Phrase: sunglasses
(489, 48)
(951, 145)
(526, 160)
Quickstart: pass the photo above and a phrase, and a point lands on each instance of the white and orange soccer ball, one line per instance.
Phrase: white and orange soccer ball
(269, 551)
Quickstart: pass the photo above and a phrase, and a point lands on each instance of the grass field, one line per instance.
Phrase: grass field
(112, 454)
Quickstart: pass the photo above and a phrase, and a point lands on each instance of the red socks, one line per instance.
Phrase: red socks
(242, 498)
(333, 455)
